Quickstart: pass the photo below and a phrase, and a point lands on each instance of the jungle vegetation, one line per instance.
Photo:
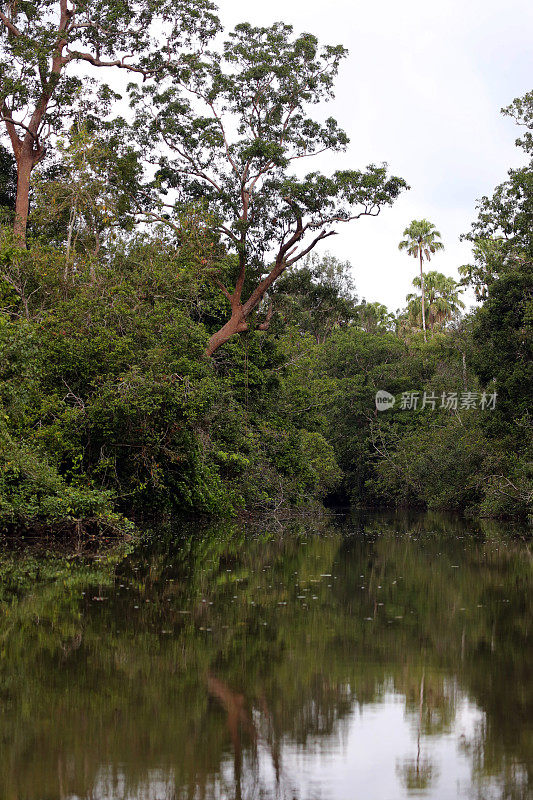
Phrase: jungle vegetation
(172, 337)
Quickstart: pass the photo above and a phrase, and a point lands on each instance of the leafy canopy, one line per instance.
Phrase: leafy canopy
(236, 123)
(40, 41)
(421, 238)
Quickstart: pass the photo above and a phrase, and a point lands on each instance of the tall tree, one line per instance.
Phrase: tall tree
(421, 242)
(234, 126)
(41, 41)
(442, 295)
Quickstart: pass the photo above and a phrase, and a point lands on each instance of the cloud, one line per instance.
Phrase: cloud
(422, 89)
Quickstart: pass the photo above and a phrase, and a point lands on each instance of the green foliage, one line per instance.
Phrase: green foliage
(33, 493)
(439, 464)
(41, 40)
(502, 276)
(320, 463)
(318, 297)
(91, 191)
(112, 405)
(360, 364)
(442, 300)
(234, 123)
(422, 241)
(502, 232)
(503, 332)
(112, 408)
(8, 180)
(375, 318)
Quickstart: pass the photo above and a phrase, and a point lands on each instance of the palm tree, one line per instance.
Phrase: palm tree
(421, 242)
(442, 294)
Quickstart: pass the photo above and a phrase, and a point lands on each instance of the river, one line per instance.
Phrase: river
(353, 657)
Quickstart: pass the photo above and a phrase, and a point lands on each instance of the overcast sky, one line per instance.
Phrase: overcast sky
(422, 89)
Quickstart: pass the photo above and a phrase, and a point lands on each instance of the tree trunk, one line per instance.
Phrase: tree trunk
(238, 715)
(71, 223)
(25, 305)
(236, 324)
(241, 311)
(420, 709)
(422, 288)
(28, 150)
(25, 164)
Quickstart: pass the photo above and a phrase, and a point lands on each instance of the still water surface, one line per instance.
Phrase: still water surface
(342, 659)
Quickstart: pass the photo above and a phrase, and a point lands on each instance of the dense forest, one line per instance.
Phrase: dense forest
(175, 335)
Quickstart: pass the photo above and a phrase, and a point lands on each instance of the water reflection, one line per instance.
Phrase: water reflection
(379, 658)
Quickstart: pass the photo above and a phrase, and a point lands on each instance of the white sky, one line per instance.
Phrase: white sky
(422, 89)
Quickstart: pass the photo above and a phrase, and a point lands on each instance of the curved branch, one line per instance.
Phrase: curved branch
(10, 125)
(11, 121)
(265, 325)
(224, 291)
(76, 55)
(9, 25)
(316, 240)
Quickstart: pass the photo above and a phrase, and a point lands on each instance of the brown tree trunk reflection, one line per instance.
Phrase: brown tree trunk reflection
(238, 715)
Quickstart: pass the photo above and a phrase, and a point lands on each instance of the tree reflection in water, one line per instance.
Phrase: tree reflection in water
(382, 657)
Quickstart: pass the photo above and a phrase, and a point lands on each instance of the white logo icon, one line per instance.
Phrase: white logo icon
(384, 400)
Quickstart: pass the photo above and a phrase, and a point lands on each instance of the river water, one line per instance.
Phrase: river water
(341, 658)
